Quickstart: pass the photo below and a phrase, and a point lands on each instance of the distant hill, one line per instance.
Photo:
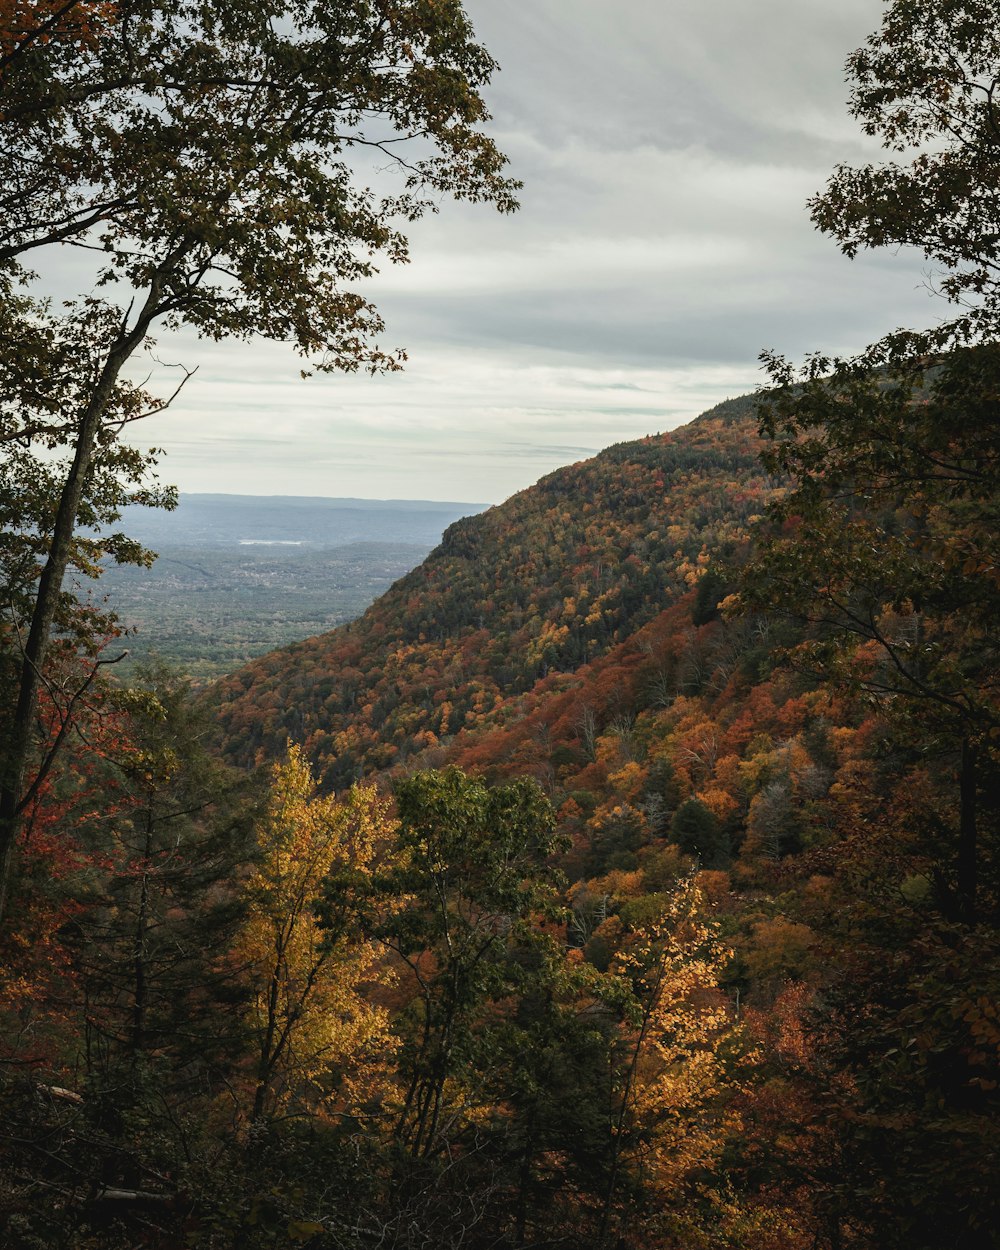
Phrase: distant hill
(521, 593)
(221, 520)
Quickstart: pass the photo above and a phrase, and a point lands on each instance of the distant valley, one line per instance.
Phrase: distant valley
(238, 575)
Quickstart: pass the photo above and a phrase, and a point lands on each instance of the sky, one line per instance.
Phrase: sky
(667, 148)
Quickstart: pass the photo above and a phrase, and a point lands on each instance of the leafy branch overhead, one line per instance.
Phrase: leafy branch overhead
(221, 159)
(927, 85)
(240, 170)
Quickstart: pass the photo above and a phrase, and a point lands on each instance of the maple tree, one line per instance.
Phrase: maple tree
(25, 23)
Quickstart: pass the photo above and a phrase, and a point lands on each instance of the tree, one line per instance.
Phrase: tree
(886, 544)
(216, 161)
(166, 902)
(128, 900)
(697, 831)
(668, 1122)
(27, 23)
(545, 1066)
(466, 878)
(887, 549)
(310, 1021)
(458, 903)
(884, 551)
(925, 84)
(44, 369)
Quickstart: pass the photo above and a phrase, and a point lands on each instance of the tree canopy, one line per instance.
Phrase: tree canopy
(237, 170)
(925, 84)
(884, 553)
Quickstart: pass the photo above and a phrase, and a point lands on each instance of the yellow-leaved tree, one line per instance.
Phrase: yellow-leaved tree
(676, 1082)
(317, 1036)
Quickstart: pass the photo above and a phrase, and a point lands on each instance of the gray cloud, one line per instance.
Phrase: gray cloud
(667, 149)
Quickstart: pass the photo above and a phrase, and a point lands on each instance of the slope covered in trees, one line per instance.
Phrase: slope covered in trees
(757, 1010)
(675, 948)
(526, 591)
(792, 697)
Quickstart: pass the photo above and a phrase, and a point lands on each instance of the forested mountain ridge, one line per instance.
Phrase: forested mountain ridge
(548, 581)
(817, 764)
(702, 952)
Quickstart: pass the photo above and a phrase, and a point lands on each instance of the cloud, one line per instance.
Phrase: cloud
(667, 151)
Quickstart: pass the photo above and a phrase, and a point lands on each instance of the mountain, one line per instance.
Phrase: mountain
(735, 959)
(840, 826)
(523, 593)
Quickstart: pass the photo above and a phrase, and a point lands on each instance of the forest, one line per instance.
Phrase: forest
(628, 874)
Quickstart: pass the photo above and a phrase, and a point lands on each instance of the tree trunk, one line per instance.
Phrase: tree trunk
(139, 985)
(967, 867)
(524, 1182)
(20, 746)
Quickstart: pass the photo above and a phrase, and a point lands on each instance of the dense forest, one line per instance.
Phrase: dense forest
(540, 586)
(629, 873)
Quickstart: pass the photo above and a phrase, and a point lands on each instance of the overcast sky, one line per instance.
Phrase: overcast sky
(667, 148)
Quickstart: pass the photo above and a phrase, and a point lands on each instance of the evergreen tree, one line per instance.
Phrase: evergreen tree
(697, 831)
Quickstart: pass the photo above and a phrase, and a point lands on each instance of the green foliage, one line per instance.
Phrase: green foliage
(711, 590)
(842, 806)
(697, 831)
(467, 875)
(615, 839)
(925, 85)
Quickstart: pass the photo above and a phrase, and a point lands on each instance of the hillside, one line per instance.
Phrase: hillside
(525, 592)
(697, 913)
(627, 875)
(573, 637)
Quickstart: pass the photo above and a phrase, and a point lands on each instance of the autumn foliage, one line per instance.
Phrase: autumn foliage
(628, 876)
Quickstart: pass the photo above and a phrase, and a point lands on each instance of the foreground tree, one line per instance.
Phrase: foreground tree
(471, 871)
(925, 85)
(669, 1123)
(311, 1023)
(885, 551)
(217, 161)
(493, 1118)
(116, 993)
